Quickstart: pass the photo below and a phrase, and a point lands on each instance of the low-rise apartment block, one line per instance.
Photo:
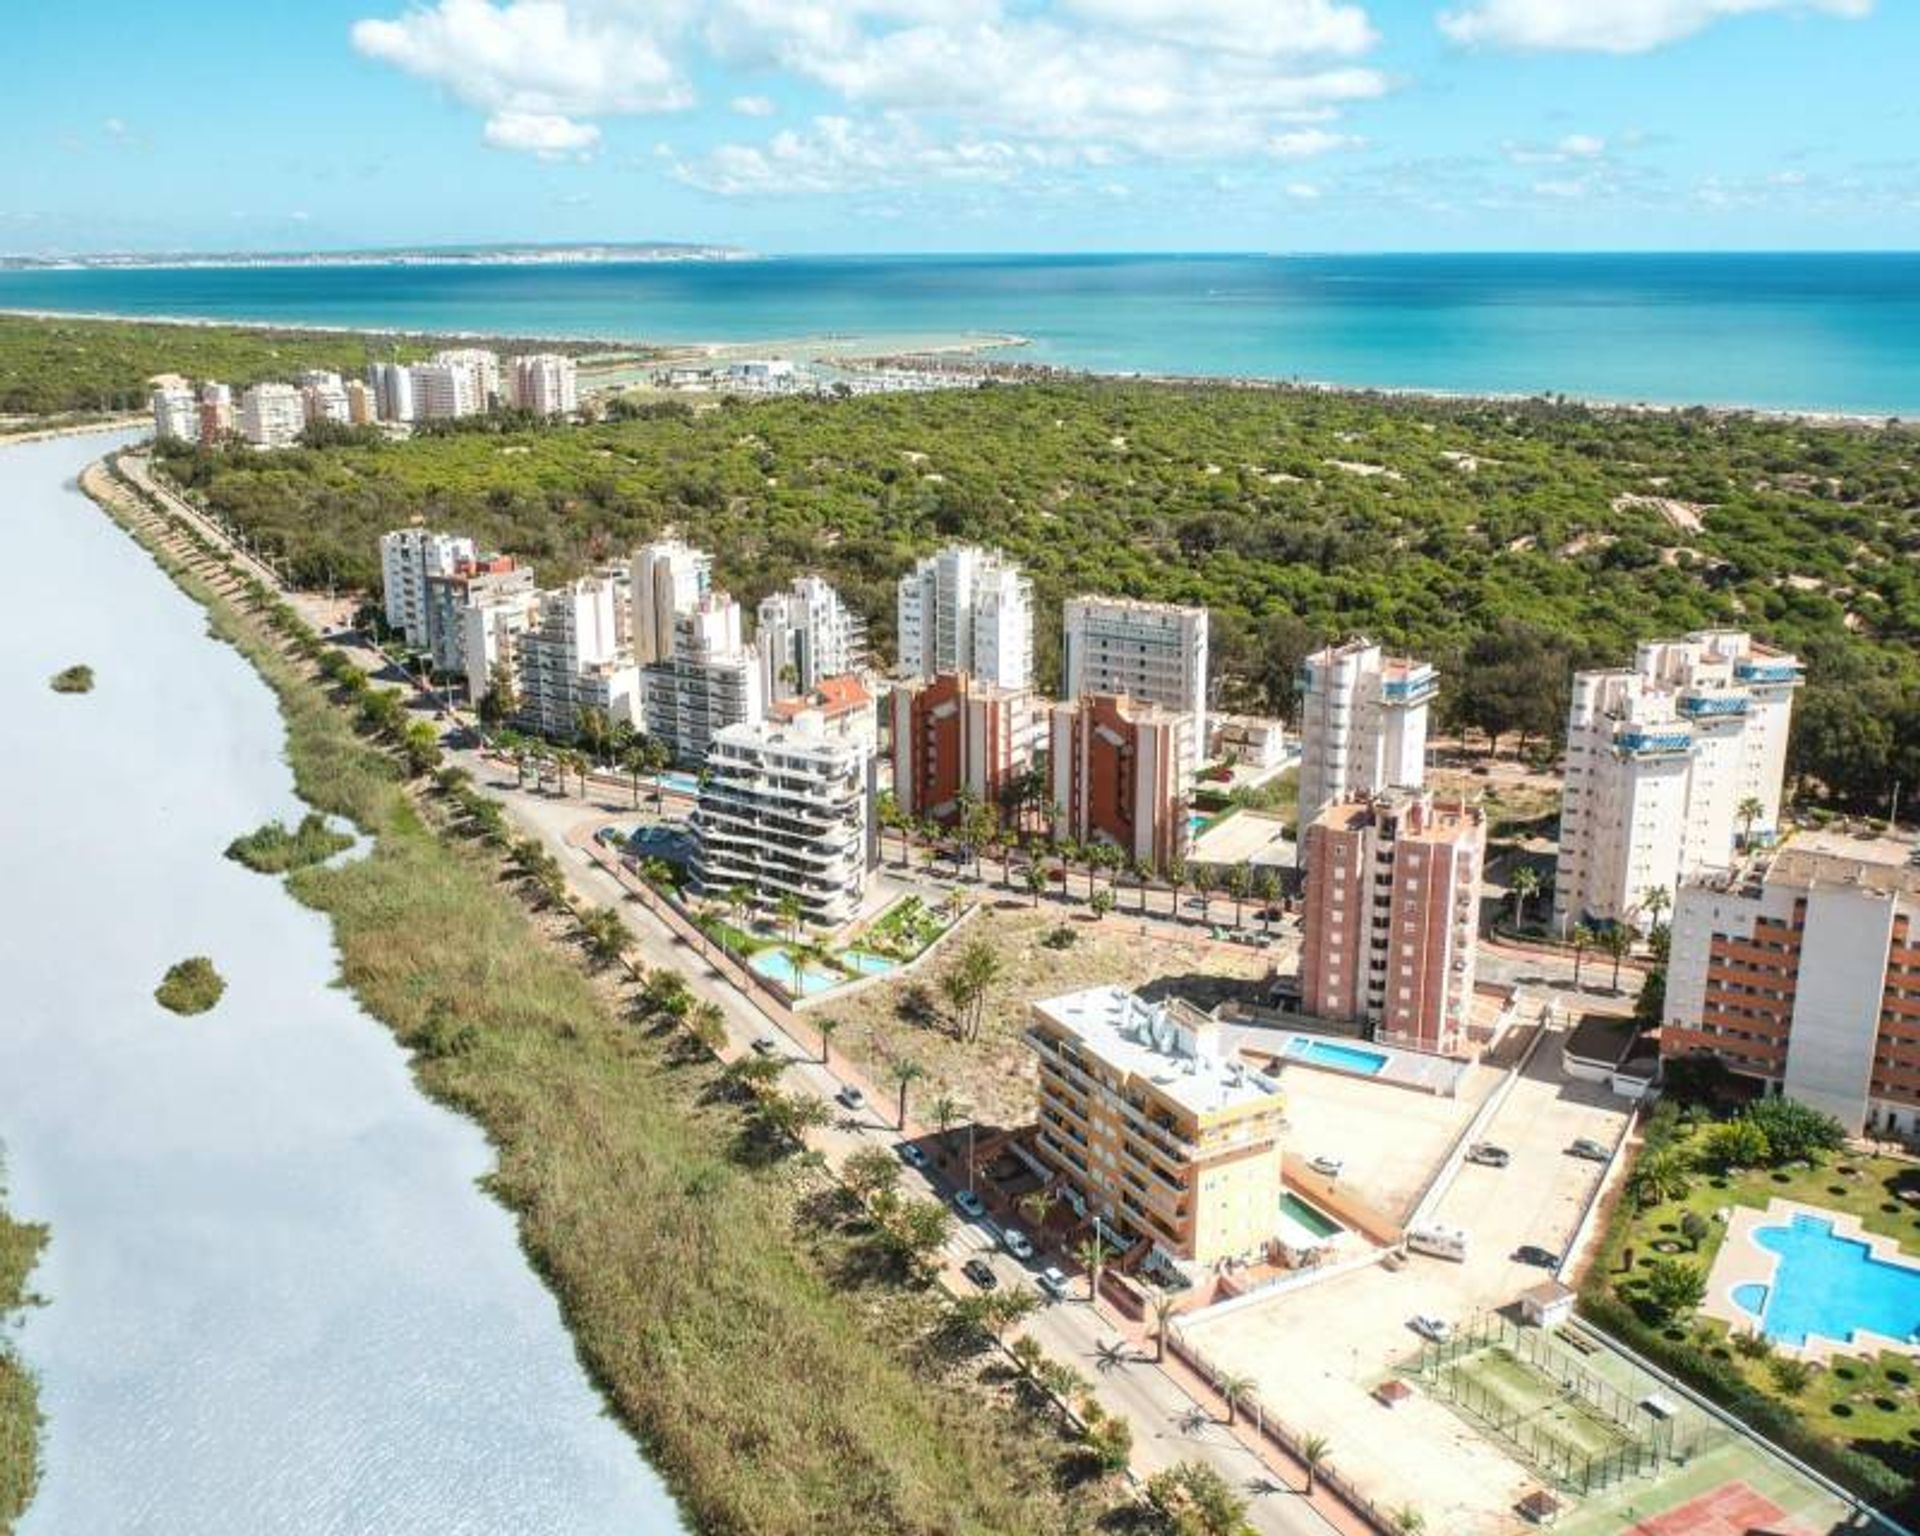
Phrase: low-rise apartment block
(785, 811)
(1153, 652)
(1122, 775)
(1392, 917)
(1154, 1128)
(956, 736)
(1363, 724)
(841, 708)
(1801, 970)
(1671, 765)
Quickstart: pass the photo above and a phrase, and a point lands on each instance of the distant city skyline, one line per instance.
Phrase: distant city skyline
(966, 125)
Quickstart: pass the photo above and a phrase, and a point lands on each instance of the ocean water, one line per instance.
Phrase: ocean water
(1816, 332)
(278, 1304)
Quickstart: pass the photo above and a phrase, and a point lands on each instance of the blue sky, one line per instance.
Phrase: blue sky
(949, 125)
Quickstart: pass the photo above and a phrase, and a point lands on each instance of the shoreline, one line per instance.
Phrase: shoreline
(668, 351)
(21, 1244)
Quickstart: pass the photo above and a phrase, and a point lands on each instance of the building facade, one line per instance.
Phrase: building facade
(491, 627)
(482, 369)
(1122, 775)
(1154, 1129)
(785, 812)
(408, 557)
(1153, 652)
(176, 414)
(1392, 917)
(709, 682)
(967, 609)
(443, 392)
(1801, 970)
(669, 578)
(272, 415)
(956, 736)
(1363, 724)
(216, 413)
(806, 634)
(392, 388)
(1671, 765)
(575, 659)
(477, 582)
(545, 383)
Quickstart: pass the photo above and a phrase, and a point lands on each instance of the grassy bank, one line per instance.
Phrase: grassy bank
(20, 1245)
(781, 1379)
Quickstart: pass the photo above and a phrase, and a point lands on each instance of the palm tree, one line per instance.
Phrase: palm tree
(1407, 1521)
(1655, 903)
(1582, 942)
(1093, 1255)
(1163, 1309)
(1313, 1453)
(1037, 1205)
(1233, 1388)
(945, 1110)
(904, 1074)
(1617, 941)
(1750, 810)
(708, 1025)
(1176, 873)
(828, 1027)
(1659, 1175)
(1523, 887)
(789, 911)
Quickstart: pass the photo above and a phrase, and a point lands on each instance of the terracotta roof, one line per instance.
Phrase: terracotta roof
(833, 696)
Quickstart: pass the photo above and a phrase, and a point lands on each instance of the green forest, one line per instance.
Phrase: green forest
(1508, 541)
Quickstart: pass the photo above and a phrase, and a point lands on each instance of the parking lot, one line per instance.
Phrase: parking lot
(1317, 1353)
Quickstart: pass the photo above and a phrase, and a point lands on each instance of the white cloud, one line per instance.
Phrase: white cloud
(1611, 26)
(1306, 191)
(753, 106)
(1575, 146)
(547, 134)
(1582, 146)
(838, 154)
(1263, 28)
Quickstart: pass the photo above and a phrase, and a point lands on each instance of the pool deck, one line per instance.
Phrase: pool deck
(1437, 1075)
(1742, 1261)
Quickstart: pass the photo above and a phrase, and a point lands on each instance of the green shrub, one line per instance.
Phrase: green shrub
(191, 986)
(273, 850)
(75, 679)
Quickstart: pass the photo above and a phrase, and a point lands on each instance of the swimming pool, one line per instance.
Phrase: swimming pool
(778, 967)
(1317, 1224)
(1830, 1286)
(1339, 1058)
(863, 962)
(679, 783)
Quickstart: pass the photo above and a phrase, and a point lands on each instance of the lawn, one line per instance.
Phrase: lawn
(1870, 1406)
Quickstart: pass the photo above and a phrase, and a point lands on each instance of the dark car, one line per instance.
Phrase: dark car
(1593, 1151)
(980, 1273)
(1534, 1254)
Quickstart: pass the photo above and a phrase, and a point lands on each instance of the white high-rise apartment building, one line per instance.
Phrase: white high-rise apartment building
(967, 609)
(1363, 724)
(709, 682)
(1153, 652)
(576, 659)
(408, 556)
(392, 386)
(806, 634)
(669, 579)
(786, 810)
(443, 391)
(1671, 764)
(481, 367)
(272, 415)
(546, 383)
(491, 627)
(324, 398)
(176, 414)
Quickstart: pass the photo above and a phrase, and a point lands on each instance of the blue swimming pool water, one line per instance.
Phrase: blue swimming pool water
(778, 967)
(1751, 1297)
(1833, 1287)
(680, 783)
(864, 962)
(1316, 1221)
(1342, 1058)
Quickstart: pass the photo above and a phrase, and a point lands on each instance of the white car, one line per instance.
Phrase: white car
(1015, 1242)
(970, 1204)
(851, 1097)
(1053, 1281)
(1329, 1167)
(1436, 1328)
(913, 1154)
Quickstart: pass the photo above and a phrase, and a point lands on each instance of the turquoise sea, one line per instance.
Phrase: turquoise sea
(1837, 332)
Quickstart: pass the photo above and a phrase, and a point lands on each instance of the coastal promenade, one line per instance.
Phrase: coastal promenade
(1174, 1418)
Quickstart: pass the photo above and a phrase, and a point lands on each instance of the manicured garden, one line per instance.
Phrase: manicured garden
(1858, 1418)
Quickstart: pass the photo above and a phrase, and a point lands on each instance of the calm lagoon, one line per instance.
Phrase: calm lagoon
(278, 1301)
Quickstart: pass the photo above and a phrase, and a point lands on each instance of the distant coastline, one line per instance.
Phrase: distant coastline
(412, 256)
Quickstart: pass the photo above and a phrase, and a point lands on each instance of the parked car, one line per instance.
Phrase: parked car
(766, 1045)
(1330, 1167)
(851, 1097)
(1487, 1155)
(980, 1273)
(1593, 1151)
(1015, 1242)
(913, 1154)
(970, 1204)
(1436, 1328)
(1534, 1254)
(1053, 1281)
